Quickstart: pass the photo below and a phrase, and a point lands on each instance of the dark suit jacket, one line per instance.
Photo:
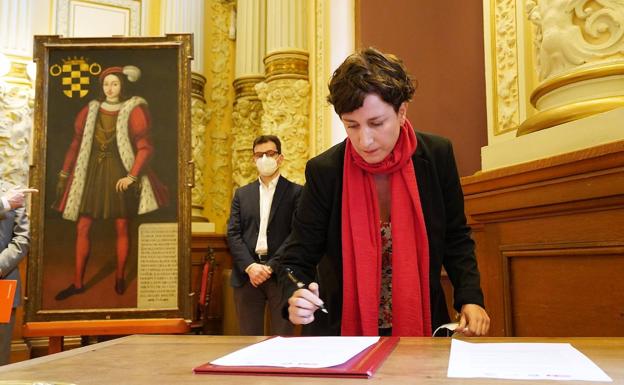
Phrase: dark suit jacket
(314, 249)
(14, 241)
(244, 224)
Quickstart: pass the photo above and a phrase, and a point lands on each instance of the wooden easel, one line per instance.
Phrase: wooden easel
(56, 330)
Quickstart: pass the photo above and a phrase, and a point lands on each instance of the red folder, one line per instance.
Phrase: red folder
(362, 365)
(7, 292)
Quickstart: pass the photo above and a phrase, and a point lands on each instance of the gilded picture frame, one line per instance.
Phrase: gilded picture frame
(111, 158)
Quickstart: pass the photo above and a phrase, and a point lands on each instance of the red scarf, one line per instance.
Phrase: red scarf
(361, 244)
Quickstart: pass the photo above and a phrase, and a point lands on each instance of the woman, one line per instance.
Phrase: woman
(379, 216)
(105, 173)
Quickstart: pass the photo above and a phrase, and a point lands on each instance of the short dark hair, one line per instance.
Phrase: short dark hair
(268, 138)
(369, 71)
(123, 95)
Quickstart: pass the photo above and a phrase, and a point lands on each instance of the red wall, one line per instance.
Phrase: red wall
(441, 43)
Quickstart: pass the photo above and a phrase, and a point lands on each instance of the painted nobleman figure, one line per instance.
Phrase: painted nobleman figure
(105, 174)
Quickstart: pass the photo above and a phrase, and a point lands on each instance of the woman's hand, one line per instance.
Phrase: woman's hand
(123, 184)
(303, 303)
(473, 321)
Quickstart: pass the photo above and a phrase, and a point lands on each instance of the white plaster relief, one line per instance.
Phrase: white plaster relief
(508, 104)
(16, 120)
(575, 33)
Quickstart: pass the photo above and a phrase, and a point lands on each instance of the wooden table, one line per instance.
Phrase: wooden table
(169, 359)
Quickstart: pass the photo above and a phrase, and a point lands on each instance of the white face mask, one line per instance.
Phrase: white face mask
(266, 165)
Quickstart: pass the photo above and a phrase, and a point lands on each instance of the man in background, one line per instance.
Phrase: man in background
(260, 221)
(14, 242)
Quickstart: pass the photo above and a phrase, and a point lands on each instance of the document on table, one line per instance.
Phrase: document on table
(522, 361)
(298, 352)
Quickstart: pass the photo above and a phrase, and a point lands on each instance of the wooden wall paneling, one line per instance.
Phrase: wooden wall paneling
(548, 237)
(557, 289)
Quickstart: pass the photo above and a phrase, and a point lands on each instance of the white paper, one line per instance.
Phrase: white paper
(298, 352)
(522, 361)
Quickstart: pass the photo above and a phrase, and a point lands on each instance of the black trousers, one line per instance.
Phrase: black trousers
(250, 304)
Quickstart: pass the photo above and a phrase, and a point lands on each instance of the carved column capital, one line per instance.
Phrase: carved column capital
(286, 65)
(579, 48)
(286, 114)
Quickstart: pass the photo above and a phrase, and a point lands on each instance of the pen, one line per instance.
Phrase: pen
(300, 285)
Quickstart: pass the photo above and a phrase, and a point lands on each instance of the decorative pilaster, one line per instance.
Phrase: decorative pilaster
(199, 119)
(220, 76)
(580, 60)
(247, 117)
(250, 50)
(507, 109)
(285, 94)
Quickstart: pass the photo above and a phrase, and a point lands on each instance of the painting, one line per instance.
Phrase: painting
(111, 159)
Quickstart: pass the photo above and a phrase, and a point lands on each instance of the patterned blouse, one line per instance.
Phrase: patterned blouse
(385, 303)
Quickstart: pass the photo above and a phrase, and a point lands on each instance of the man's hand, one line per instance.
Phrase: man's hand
(123, 183)
(61, 183)
(16, 197)
(258, 273)
(473, 321)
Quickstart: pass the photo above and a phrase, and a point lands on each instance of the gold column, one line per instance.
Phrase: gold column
(285, 94)
(580, 61)
(250, 49)
(220, 74)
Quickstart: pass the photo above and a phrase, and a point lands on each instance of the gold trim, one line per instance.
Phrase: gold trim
(286, 64)
(244, 86)
(17, 74)
(568, 113)
(575, 77)
(198, 81)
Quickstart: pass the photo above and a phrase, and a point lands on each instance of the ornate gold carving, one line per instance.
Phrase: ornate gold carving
(219, 170)
(320, 130)
(573, 33)
(575, 77)
(286, 64)
(199, 119)
(18, 71)
(504, 32)
(198, 82)
(244, 86)
(568, 113)
(247, 117)
(286, 114)
(16, 120)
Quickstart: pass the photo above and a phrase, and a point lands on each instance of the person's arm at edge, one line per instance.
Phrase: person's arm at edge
(17, 248)
(304, 247)
(459, 259)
